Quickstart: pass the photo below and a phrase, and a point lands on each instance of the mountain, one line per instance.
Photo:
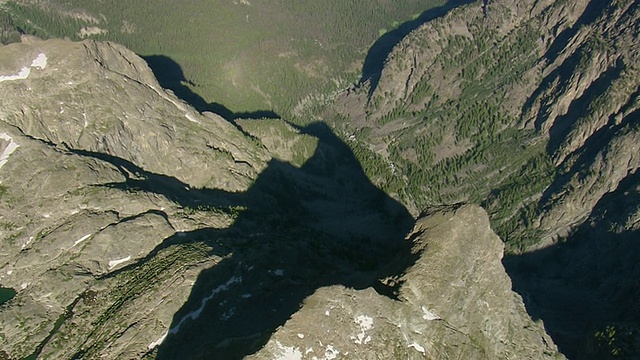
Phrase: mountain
(529, 109)
(454, 300)
(135, 227)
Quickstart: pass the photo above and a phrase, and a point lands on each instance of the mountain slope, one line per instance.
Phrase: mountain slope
(126, 213)
(455, 302)
(135, 227)
(531, 110)
(481, 108)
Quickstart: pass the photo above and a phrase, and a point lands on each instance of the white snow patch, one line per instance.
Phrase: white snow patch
(114, 263)
(9, 272)
(288, 352)
(277, 272)
(309, 350)
(24, 285)
(331, 353)
(4, 157)
(23, 74)
(191, 118)
(83, 239)
(40, 61)
(159, 341)
(366, 323)
(46, 216)
(246, 296)
(301, 336)
(417, 346)
(196, 313)
(28, 242)
(429, 315)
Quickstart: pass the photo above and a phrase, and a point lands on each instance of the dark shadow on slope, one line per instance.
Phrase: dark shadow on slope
(590, 14)
(297, 229)
(579, 107)
(568, 67)
(585, 156)
(380, 50)
(588, 281)
(170, 76)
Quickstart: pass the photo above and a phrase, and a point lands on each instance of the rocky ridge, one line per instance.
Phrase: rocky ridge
(454, 301)
(135, 227)
(530, 109)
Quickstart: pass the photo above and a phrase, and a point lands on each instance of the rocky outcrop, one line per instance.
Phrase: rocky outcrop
(454, 301)
(530, 109)
(99, 168)
(101, 97)
(128, 220)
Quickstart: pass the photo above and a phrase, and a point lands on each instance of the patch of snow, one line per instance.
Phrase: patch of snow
(9, 272)
(191, 118)
(159, 341)
(366, 323)
(28, 242)
(83, 239)
(277, 272)
(46, 216)
(23, 74)
(327, 312)
(288, 352)
(4, 157)
(40, 61)
(417, 346)
(228, 314)
(196, 313)
(429, 315)
(114, 263)
(301, 336)
(24, 285)
(246, 296)
(331, 353)
(309, 350)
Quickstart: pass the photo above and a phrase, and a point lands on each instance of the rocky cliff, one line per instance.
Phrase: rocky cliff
(529, 108)
(453, 302)
(133, 226)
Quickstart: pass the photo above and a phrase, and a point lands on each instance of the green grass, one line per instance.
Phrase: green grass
(264, 56)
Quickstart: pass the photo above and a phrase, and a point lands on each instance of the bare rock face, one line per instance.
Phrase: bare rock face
(131, 226)
(531, 109)
(100, 171)
(454, 301)
(134, 119)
